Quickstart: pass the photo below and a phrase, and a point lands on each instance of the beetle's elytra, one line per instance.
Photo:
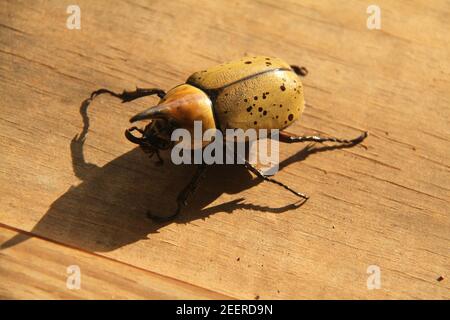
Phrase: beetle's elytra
(256, 92)
(251, 93)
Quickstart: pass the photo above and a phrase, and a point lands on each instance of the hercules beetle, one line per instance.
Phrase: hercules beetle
(256, 92)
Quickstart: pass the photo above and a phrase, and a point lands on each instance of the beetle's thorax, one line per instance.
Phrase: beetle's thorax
(185, 104)
(181, 106)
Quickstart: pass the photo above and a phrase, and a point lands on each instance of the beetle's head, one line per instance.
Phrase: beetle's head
(179, 108)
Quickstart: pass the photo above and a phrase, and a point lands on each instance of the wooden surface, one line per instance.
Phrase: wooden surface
(383, 203)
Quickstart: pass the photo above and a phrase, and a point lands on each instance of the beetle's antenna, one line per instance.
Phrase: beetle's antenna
(143, 143)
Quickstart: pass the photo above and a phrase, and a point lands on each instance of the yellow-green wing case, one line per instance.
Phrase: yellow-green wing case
(257, 92)
(227, 73)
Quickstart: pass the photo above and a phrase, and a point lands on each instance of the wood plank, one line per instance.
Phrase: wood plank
(37, 269)
(385, 203)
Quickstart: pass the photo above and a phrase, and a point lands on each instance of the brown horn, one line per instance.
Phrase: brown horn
(155, 112)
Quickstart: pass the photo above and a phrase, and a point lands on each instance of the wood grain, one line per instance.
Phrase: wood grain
(383, 203)
(38, 269)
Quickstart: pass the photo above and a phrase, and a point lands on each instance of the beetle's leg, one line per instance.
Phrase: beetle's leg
(301, 71)
(183, 196)
(160, 161)
(255, 170)
(127, 96)
(191, 187)
(291, 138)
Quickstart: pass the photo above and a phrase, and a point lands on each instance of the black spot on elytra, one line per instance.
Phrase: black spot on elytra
(249, 108)
(264, 95)
(260, 109)
(248, 62)
(291, 117)
(282, 87)
(265, 112)
(285, 122)
(255, 123)
(268, 64)
(277, 117)
(255, 97)
(281, 106)
(245, 100)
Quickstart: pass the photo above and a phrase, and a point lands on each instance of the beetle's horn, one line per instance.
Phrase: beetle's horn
(155, 112)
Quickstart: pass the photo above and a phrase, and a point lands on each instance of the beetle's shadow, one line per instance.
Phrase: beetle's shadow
(107, 210)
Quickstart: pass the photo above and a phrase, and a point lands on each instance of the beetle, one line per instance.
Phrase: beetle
(258, 92)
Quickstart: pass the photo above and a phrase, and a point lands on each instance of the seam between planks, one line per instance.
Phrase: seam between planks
(30, 234)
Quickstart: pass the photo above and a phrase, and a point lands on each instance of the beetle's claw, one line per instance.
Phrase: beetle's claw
(301, 71)
(359, 139)
(302, 202)
(364, 135)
